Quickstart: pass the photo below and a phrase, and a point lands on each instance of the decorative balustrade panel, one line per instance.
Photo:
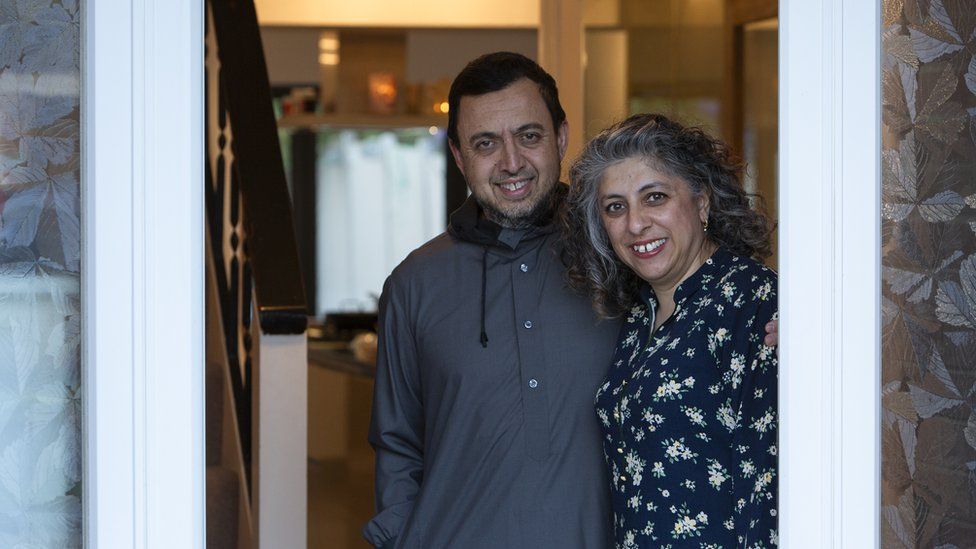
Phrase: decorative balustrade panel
(228, 243)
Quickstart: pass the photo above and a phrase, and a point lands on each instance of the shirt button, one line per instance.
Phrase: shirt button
(620, 450)
(533, 383)
(527, 324)
(524, 268)
(623, 478)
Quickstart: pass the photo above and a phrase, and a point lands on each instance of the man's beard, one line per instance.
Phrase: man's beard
(542, 210)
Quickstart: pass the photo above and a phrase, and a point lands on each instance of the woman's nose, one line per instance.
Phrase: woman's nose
(637, 221)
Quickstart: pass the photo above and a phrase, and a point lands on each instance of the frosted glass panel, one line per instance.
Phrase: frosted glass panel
(40, 241)
(928, 274)
(380, 195)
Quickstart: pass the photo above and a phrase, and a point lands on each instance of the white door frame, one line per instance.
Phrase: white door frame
(142, 208)
(142, 102)
(829, 246)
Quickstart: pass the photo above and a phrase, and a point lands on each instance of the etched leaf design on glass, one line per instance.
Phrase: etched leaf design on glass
(942, 207)
(21, 215)
(900, 521)
(936, 36)
(56, 198)
(900, 171)
(970, 431)
(39, 124)
(918, 284)
(955, 302)
(971, 76)
(898, 47)
(897, 404)
(938, 370)
(899, 86)
(40, 454)
(56, 25)
(939, 118)
(19, 28)
(929, 404)
(20, 262)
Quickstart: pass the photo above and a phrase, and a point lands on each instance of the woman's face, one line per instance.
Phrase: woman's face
(654, 222)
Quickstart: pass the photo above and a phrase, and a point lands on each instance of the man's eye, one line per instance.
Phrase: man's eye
(531, 137)
(483, 145)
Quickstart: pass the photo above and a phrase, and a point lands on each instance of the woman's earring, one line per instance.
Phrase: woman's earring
(706, 225)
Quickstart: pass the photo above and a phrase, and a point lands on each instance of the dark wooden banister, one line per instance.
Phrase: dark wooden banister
(249, 218)
(271, 246)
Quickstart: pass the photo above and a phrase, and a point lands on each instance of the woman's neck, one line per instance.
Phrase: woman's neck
(665, 293)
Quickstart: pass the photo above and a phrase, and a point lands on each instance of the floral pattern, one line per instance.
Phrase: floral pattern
(689, 414)
(40, 253)
(928, 270)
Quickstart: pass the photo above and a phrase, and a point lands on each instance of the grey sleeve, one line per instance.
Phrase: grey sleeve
(397, 427)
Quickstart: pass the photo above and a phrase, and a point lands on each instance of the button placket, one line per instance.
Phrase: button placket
(532, 366)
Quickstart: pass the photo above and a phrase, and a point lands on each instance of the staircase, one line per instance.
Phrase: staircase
(256, 393)
(223, 483)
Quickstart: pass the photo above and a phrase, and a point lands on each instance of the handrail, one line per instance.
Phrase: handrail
(271, 246)
(249, 221)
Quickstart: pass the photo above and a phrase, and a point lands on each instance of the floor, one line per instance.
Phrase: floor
(340, 501)
(340, 470)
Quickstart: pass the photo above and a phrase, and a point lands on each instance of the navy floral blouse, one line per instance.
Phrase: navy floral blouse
(689, 414)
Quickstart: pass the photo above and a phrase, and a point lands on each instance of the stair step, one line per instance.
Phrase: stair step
(223, 508)
(215, 412)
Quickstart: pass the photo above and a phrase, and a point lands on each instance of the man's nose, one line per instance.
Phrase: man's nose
(512, 160)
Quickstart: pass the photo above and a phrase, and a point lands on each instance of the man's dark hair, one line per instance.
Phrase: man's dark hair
(496, 71)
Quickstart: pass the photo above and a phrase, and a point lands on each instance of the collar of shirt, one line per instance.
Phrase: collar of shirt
(691, 285)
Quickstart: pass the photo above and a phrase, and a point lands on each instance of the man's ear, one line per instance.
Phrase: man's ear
(562, 138)
(456, 153)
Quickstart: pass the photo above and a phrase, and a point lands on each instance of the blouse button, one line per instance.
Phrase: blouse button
(620, 450)
(623, 478)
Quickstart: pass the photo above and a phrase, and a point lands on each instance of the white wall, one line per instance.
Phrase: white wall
(431, 54)
(292, 55)
(442, 53)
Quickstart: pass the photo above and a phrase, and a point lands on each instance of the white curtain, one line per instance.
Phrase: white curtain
(380, 195)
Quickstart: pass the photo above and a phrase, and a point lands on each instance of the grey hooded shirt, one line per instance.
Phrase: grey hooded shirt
(483, 420)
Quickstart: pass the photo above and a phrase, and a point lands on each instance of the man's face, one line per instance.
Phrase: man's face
(509, 152)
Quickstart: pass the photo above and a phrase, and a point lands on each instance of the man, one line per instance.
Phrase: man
(483, 420)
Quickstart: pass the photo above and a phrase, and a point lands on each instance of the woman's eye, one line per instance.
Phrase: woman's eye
(615, 207)
(656, 197)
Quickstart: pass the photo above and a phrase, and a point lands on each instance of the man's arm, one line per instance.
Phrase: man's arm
(397, 427)
(772, 333)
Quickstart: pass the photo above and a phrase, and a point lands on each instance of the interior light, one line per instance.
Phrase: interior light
(327, 58)
(328, 44)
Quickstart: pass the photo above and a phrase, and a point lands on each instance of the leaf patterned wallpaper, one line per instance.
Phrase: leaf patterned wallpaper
(928, 431)
(40, 241)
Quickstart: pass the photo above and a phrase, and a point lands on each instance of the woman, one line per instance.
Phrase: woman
(660, 230)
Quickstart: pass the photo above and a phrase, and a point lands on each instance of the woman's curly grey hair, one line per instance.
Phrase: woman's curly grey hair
(705, 163)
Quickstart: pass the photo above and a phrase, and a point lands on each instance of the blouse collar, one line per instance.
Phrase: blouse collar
(716, 263)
